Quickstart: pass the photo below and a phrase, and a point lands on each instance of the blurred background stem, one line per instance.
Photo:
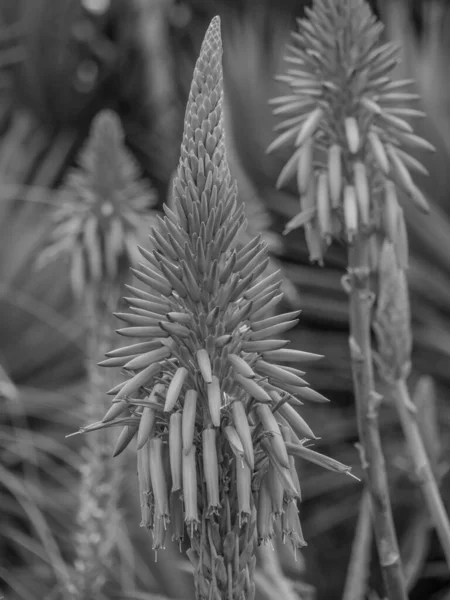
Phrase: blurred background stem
(366, 401)
(98, 516)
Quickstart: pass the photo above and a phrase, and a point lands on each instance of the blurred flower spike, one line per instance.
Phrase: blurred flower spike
(348, 121)
(212, 412)
(105, 209)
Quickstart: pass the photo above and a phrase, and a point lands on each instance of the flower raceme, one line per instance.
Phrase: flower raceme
(206, 395)
(343, 117)
(105, 209)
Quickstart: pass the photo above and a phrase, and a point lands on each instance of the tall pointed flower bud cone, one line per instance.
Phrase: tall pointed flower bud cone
(348, 116)
(105, 209)
(217, 336)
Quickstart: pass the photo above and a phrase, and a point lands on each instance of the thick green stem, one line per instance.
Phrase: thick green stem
(422, 468)
(367, 401)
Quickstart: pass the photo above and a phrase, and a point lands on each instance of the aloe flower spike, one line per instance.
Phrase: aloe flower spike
(345, 122)
(209, 351)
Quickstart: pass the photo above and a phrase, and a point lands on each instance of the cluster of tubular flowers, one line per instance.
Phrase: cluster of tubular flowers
(212, 410)
(342, 117)
(104, 208)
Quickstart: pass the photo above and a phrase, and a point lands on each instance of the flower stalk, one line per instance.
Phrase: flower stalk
(367, 404)
(98, 515)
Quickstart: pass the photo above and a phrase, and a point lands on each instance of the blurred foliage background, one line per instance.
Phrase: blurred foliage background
(60, 63)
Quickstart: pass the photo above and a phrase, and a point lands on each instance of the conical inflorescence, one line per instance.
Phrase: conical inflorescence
(205, 396)
(348, 121)
(104, 209)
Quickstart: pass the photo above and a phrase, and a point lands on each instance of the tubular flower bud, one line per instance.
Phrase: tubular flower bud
(335, 174)
(323, 207)
(145, 486)
(175, 451)
(211, 469)
(208, 339)
(352, 134)
(362, 192)
(145, 426)
(337, 123)
(304, 168)
(390, 211)
(276, 491)
(188, 420)
(350, 212)
(190, 490)
(244, 490)
(264, 519)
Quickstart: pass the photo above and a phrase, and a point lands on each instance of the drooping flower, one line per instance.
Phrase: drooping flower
(348, 121)
(203, 386)
(105, 209)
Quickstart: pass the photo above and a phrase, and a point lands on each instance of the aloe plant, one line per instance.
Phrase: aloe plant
(213, 413)
(349, 122)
